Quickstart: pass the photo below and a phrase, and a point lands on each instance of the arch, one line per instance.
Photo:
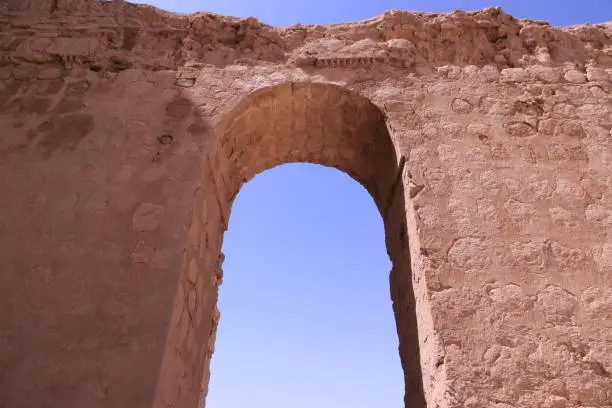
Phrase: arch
(293, 122)
(306, 122)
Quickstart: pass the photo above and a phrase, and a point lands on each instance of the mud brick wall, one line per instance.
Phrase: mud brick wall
(127, 131)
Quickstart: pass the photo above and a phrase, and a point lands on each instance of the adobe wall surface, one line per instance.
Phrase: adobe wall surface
(126, 132)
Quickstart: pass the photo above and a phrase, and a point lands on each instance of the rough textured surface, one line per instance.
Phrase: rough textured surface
(127, 131)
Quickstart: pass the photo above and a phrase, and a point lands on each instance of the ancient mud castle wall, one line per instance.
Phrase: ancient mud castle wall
(126, 131)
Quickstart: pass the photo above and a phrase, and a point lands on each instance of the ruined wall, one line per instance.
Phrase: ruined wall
(126, 132)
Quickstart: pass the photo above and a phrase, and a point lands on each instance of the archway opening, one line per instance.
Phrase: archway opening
(290, 123)
(305, 309)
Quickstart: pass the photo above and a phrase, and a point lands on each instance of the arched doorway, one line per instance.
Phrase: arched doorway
(294, 122)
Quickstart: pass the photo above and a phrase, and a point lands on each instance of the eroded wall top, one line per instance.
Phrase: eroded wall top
(116, 35)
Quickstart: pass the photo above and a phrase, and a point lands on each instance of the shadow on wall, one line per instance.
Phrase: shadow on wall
(295, 122)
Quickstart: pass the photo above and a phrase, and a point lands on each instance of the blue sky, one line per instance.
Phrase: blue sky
(306, 318)
(288, 12)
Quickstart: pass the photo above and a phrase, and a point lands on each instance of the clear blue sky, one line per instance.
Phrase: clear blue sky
(288, 12)
(306, 319)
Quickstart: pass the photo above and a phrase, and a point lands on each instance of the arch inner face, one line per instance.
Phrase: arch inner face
(310, 123)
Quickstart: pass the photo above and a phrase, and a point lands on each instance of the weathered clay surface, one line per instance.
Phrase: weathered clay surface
(126, 131)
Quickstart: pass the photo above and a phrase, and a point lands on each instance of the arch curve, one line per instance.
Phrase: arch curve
(305, 122)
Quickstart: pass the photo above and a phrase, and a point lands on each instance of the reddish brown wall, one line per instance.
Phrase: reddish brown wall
(127, 131)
